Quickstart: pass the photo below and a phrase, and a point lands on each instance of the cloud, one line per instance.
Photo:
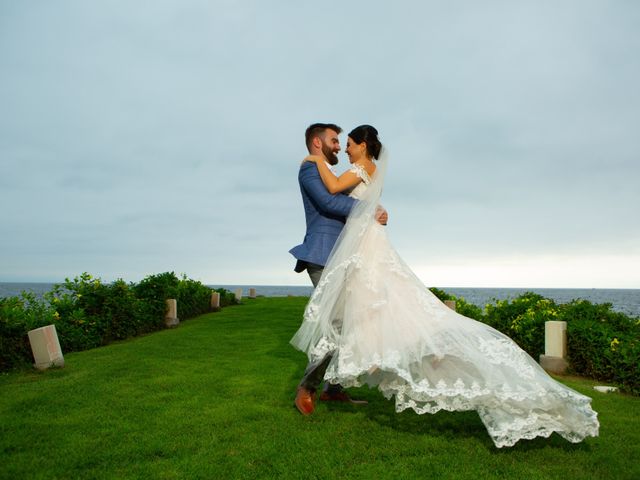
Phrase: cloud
(136, 139)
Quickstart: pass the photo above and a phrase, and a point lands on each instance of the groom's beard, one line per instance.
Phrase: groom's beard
(331, 157)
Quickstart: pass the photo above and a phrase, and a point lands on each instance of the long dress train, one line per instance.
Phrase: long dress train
(384, 328)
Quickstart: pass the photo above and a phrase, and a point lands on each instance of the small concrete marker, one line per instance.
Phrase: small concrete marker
(46, 347)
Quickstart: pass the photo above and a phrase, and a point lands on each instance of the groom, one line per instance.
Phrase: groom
(325, 215)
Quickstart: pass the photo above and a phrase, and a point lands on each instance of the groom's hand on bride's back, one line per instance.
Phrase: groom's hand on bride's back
(382, 217)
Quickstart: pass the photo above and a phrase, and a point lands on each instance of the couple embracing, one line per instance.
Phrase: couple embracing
(371, 321)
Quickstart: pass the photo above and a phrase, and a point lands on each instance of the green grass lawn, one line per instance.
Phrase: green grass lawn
(213, 398)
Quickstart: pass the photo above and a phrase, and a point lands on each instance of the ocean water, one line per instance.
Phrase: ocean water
(623, 300)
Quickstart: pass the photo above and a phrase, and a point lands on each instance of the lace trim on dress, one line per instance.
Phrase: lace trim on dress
(360, 171)
(509, 414)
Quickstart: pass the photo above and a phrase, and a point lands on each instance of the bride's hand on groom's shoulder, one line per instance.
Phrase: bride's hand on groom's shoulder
(312, 158)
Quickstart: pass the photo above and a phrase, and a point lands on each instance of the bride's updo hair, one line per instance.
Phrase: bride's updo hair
(369, 135)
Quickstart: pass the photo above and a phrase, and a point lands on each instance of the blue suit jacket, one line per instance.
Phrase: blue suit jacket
(325, 214)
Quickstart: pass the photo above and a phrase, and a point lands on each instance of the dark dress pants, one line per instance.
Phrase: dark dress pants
(314, 373)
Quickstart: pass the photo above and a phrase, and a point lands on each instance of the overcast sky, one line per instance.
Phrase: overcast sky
(138, 137)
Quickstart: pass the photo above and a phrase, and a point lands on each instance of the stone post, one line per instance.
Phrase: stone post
(238, 294)
(451, 304)
(252, 293)
(215, 301)
(171, 318)
(554, 359)
(46, 347)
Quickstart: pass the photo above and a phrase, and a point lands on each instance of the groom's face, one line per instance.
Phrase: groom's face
(330, 146)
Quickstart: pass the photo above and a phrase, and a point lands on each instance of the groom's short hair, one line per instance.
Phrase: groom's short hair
(317, 129)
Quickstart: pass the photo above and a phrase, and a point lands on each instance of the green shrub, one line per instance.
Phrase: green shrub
(124, 314)
(523, 320)
(226, 297)
(155, 290)
(88, 313)
(193, 297)
(441, 294)
(18, 315)
(603, 344)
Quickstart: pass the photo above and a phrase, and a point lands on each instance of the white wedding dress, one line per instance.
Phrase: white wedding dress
(384, 328)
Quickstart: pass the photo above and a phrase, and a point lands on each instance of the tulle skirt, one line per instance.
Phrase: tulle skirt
(383, 328)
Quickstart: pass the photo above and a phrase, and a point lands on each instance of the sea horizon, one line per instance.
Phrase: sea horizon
(625, 300)
(256, 285)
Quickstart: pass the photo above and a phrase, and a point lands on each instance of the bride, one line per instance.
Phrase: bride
(383, 328)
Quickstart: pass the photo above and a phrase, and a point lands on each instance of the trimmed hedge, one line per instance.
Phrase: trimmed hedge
(88, 313)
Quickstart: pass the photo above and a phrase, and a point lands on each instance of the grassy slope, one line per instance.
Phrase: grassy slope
(213, 399)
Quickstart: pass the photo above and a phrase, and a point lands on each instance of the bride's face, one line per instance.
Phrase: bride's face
(355, 151)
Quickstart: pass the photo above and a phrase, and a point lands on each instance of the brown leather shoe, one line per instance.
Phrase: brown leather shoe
(340, 397)
(304, 401)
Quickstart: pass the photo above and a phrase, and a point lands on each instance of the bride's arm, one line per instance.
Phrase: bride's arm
(334, 184)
